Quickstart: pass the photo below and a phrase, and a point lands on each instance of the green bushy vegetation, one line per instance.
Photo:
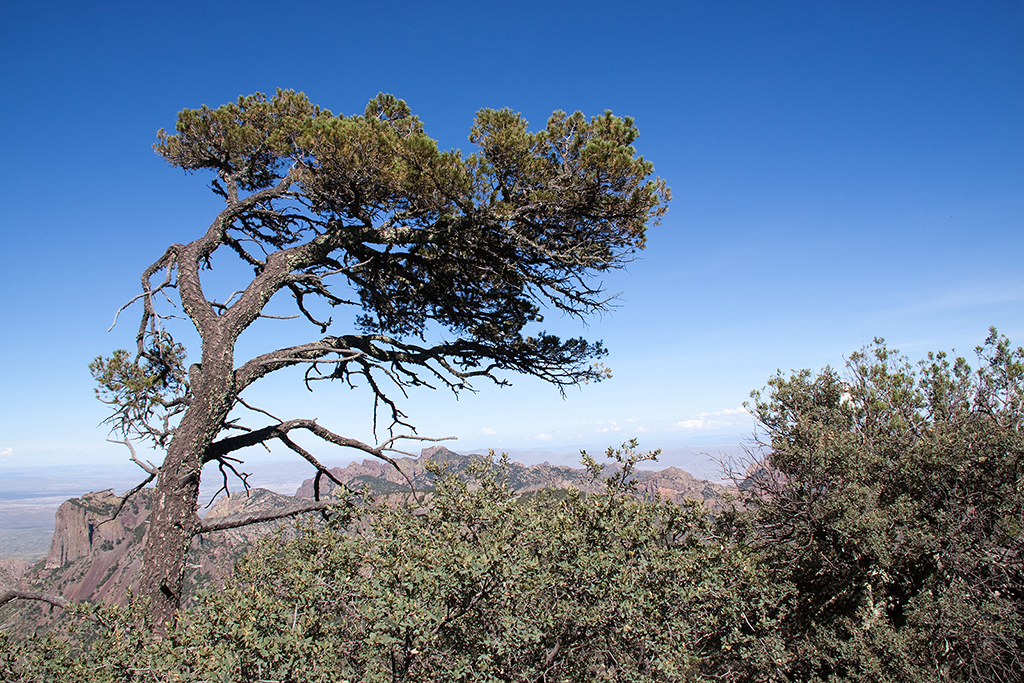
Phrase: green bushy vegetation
(891, 499)
(878, 537)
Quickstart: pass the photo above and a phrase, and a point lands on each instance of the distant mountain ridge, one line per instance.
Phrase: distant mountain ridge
(95, 556)
(382, 478)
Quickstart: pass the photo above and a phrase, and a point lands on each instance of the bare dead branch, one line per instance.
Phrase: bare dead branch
(321, 470)
(299, 295)
(280, 431)
(236, 521)
(266, 363)
(226, 462)
(55, 600)
(148, 466)
(256, 410)
(166, 283)
(344, 359)
(151, 470)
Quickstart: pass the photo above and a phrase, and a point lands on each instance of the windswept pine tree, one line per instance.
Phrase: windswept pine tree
(414, 267)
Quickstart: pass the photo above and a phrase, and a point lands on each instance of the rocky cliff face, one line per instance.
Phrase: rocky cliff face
(11, 571)
(14, 568)
(677, 485)
(96, 556)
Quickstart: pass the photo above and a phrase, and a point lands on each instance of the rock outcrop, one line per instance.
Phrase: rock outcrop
(11, 571)
(677, 485)
(14, 567)
(86, 526)
(96, 556)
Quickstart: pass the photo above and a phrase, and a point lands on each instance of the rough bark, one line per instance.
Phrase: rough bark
(173, 520)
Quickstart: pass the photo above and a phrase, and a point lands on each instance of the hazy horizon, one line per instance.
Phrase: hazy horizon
(31, 494)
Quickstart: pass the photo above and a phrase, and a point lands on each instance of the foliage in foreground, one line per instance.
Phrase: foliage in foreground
(480, 586)
(892, 499)
(881, 540)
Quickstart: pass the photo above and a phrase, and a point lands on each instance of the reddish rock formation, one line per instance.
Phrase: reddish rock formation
(10, 572)
(97, 557)
(14, 567)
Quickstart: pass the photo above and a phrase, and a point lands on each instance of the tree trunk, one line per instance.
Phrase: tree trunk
(173, 521)
(172, 524)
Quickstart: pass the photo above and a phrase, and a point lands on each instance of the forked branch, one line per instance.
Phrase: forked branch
(151, 470)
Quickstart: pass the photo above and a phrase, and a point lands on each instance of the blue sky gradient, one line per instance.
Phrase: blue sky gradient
(840, 171)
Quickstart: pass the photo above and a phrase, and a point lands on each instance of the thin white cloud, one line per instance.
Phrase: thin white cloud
(487, 431)
(700, 423)
(705, 421)
(543, 437)
(7, 451)
(731, 411)
(612, 426)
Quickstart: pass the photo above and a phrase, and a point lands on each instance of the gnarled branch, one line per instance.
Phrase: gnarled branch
(55, 600)
(236, 521)
(280, 431)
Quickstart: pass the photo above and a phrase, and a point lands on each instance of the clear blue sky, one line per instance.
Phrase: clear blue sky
(840, 171)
